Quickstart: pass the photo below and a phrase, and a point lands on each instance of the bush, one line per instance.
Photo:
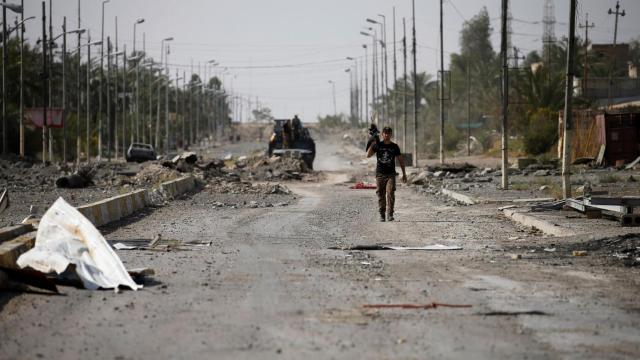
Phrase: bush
(541, 133)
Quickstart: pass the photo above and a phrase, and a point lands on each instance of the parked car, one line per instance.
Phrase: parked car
(139, 152)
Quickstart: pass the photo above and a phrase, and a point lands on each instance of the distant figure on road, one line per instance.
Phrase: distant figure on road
(287, 133)
(386, 152)
(297, 128)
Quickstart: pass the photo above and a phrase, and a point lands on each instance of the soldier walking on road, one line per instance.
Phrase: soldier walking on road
(386, 152)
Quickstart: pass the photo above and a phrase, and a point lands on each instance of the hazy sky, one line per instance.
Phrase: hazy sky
(285, 51)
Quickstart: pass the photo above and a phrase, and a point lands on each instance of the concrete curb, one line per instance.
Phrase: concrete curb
(115, 208)
(11, 250)
(537, 223)
(10, 232)
(177, 187)
(465, 199)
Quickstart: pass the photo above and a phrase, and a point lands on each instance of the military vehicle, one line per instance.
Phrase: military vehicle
(291, 138)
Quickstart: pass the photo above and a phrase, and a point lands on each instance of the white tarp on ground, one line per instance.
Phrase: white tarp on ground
(66, 237)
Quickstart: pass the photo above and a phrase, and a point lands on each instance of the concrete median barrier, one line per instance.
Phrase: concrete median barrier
(177, 187)
(115, 208)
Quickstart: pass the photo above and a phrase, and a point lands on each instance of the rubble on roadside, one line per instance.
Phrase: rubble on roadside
(154, 173)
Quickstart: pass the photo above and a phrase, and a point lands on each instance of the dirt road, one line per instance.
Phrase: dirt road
(270, 287)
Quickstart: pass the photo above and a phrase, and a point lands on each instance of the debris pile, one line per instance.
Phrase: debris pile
(153, 173)
(231, 184)
(273, 168)
(81, 178)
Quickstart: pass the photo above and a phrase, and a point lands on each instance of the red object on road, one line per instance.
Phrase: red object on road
(363, 185)
(55, 118)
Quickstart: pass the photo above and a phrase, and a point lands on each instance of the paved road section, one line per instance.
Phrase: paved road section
(270, 287)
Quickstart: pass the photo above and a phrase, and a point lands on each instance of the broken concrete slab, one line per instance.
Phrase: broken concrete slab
(11, 232)
(12, 249)
(537, 223)
(465, 199)
(4, 201)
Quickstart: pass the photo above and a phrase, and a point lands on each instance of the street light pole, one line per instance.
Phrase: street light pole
(64, 88)
(22, 30)
(89, 44)
(137, 108)
(385, 70)
(366, 84)
(416, 103)
(333, 86)
(44, 81)
(79, 96)
(5, 59)
(101, 84)
(108, 98)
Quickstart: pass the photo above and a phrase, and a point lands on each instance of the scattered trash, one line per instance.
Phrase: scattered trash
(633, 163)
(507, 207)
(516, 256)
(432, 305)
(549, 249)
(141, 272)
(65, 237)
(579, 253)
(121, 246)
(365, 263)
(4, 201)
(154, 242)
(514, 313)
(436, 247)
(82, 178)
(363, 186)
(189, 157)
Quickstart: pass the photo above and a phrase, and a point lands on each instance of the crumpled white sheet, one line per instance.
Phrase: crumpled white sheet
(66, 237)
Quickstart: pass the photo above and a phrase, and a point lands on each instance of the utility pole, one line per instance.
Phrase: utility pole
(385, 72)
(612, 74)
(79, 96)
(416, 102)
(50, 78)
(166, 103)
(88, 127)
(64, 89)
(109, 98)
(366, 83)
(395, 74)
(441, 84)
(405, 98)
(184, 109)
(568, 98)
(517, 57)
(101, 84)
(468, 109)
(333, 87)
(585, 79)
(505, 97)
(124, 103)
(5, 58)
(115, 110)
(616, 13)
(21, 81)
(45, 75)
